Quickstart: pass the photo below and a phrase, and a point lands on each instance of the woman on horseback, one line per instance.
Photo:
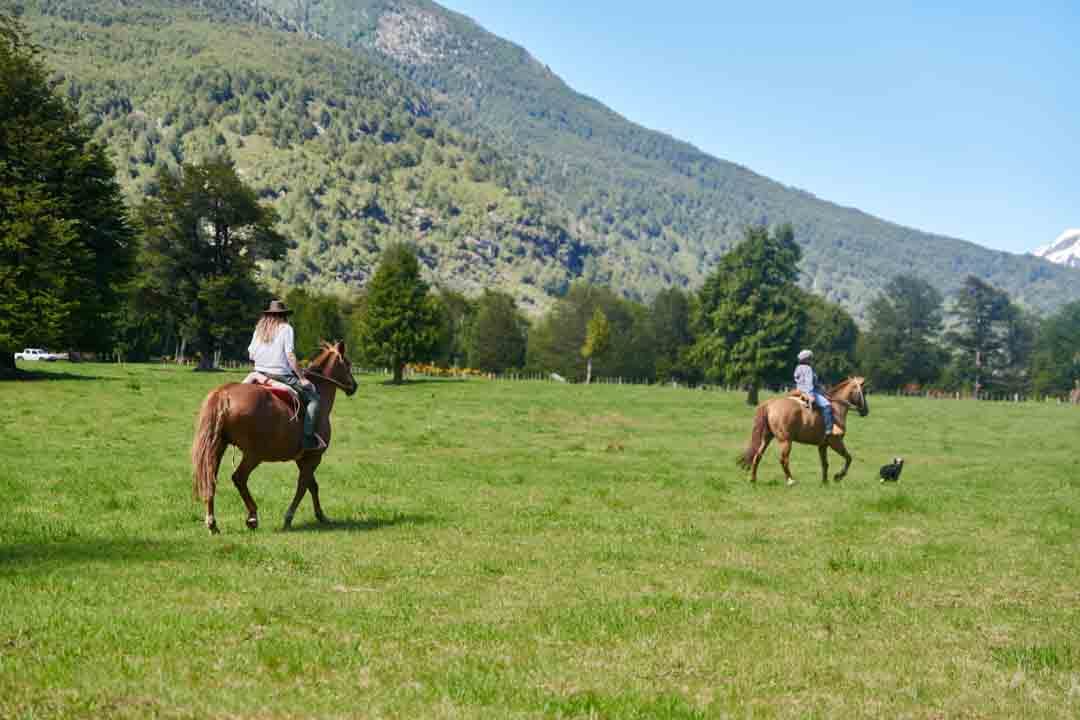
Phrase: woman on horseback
(272, 348)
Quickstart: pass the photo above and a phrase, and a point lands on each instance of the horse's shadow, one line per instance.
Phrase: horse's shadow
(366, 524)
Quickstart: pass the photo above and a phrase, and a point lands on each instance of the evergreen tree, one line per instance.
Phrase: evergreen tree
(597, 340)
(203, 236)
(1019, 332)
(832, 334)
(673, 336)
(749, 313)
(400, 322)
(902, 344)
(317, 318)
(499, 334)
(456, 317)
(1056, 358)
(65, 242)
(981, 311)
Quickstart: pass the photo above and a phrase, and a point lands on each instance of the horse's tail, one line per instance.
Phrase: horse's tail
(745, 459)
(209, 444)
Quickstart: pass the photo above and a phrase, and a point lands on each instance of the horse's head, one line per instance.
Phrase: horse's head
(332, 365)
(852, 391)
(857, 396)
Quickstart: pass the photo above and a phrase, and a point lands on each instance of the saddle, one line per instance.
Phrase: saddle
(803, 399)
(807, 403)
(279, 390)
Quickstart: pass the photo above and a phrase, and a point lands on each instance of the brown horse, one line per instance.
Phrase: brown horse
(788, 420)
(266, 430)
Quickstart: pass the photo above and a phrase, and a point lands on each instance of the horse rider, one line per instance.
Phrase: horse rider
(272, 349)
(806, 380)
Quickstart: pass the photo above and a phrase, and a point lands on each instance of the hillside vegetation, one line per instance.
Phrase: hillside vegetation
(658, 210)
(367, 121)
(347, 152)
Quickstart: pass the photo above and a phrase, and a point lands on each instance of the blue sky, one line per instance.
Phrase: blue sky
(961, 120)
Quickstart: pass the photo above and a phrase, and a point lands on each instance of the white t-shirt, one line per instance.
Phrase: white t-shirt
(273, 357)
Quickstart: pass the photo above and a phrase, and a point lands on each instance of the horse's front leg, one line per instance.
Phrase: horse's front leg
(240, 480)
(313, 487)
(301, 489)
(823, 453)
(837, 444)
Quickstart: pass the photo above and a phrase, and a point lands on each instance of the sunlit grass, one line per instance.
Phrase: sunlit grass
(535, 550)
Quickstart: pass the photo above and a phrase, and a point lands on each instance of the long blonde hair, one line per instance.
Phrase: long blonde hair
(268, 327)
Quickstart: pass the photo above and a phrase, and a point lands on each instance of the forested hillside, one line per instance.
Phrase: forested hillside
(368, 121)
(347, 152)
(658, 210)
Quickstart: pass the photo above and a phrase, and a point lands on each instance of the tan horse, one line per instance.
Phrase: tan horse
(266, 430)
(788, 420)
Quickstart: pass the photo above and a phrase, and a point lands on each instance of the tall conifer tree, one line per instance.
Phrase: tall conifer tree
(65, 242)
(749, 316)
(400, 320)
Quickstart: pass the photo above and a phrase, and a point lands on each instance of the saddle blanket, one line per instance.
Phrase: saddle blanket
(279, 389)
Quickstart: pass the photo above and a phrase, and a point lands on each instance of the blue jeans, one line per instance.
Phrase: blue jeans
(826, 410)
(309, 397)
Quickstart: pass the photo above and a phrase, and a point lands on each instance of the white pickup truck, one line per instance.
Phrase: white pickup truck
(37, 354)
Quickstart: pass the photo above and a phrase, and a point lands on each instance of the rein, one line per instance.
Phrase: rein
(330, 380)
(850, 404)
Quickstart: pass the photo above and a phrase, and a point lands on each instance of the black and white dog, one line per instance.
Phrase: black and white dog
(891, 472)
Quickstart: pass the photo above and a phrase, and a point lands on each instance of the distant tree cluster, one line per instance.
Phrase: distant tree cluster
(982, 343)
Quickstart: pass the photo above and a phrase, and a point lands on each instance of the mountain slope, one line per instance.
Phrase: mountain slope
(347, 151)
(657, 210)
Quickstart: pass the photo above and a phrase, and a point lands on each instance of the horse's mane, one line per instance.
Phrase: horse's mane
(842, 385)
(328, 350)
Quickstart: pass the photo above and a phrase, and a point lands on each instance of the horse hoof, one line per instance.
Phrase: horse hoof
(253, 523)
(213, 529)
(323, 519)
(790, 482)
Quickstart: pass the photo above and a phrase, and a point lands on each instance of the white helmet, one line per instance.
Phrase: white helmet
(805, 355)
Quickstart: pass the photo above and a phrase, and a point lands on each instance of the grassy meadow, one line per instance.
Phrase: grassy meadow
(535, 550)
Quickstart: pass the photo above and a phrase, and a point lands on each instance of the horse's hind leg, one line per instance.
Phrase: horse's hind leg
(211, 521)
(758, 455)
(785, 455)
(240, 480)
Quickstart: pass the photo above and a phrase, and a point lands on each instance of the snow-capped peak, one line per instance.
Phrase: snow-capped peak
(1063, 251)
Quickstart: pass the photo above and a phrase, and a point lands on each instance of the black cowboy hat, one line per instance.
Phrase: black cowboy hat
(277, 308)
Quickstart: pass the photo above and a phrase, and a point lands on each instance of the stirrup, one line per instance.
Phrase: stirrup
(319, 447)
(320, 444)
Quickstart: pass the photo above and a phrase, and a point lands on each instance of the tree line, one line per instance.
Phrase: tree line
(183, 272)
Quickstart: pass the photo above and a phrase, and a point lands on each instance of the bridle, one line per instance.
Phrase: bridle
(327, 378)
(861, 406)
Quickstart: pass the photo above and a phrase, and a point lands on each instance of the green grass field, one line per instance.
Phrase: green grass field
(535, 550)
